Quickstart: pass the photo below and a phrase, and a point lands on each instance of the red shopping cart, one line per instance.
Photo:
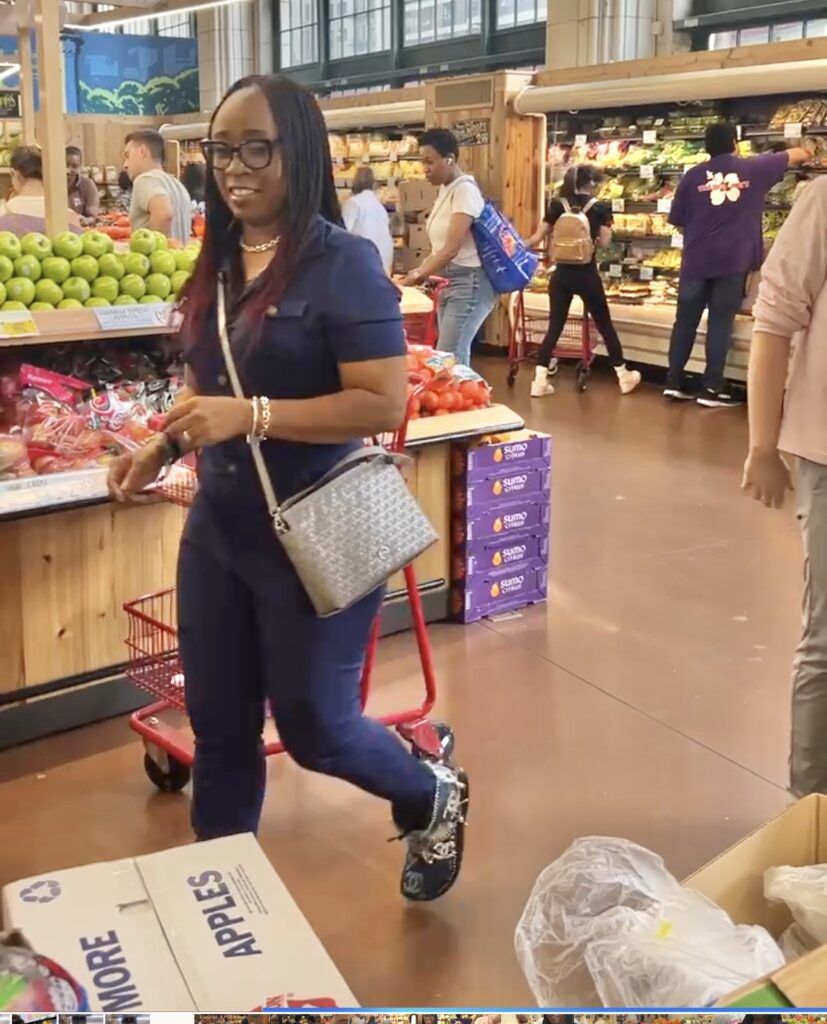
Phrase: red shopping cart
(423, 328)
(154, 664)
(528, 327)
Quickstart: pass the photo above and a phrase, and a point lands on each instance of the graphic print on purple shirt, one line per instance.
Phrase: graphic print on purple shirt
(719, 205)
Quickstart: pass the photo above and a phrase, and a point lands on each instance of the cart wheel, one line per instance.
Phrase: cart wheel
(171, 781)
(582, 377)
(512, 376)
(446, 742)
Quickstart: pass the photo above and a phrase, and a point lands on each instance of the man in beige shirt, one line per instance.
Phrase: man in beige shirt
(788, 414)
(159, 200)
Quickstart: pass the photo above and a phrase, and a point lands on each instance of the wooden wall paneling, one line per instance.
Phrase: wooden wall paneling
(12, 662)
(54, 589)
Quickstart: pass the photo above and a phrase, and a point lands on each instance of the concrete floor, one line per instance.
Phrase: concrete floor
(647, 699)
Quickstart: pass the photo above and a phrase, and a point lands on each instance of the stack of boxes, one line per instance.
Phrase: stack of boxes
(416, 200)
(501, 514)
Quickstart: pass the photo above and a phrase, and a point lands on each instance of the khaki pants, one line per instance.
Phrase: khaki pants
(808, 756)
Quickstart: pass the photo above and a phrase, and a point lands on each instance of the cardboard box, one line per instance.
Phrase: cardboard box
(418, 237)
(201, 927)
(481, 460)
(529, 480)
(500, 590)
(735, 881)
(514, 517)
(416, 196)
(485, 556)
(407, 259)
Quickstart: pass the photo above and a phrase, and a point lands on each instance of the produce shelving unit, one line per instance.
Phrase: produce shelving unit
(644, 141)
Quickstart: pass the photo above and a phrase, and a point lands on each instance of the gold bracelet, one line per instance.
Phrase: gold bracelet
(264, 408)
(254, 429)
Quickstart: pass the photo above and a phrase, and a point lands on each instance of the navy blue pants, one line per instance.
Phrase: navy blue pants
(723, 298)
(248, 634)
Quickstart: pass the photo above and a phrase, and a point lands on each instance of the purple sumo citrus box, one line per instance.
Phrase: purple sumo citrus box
(490, 522)
(508, 450)
(485, 556)
(499, 591)
(514, 482)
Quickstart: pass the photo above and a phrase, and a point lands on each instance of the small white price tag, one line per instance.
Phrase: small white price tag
(664, 206)
(366, 158)
(650, 138)
(339, 161)
(793, 131)
(581, 140)
(118, 318)
(618, 205)
(647, 172)
(646, 273)
(615, 270)
(677, 241)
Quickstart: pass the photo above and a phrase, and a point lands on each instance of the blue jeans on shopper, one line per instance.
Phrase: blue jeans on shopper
(464, 307)
(723, 297)
(249, 636)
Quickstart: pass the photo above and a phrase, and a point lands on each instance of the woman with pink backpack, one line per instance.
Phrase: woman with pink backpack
(577, 223)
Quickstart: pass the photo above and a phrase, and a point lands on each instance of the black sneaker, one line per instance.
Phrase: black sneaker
(435, 853)
(679, 394)
(719, 399)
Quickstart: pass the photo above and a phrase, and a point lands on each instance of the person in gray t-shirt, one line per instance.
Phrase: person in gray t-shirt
(159, 200)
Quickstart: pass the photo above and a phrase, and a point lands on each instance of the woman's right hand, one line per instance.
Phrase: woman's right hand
(134, 471)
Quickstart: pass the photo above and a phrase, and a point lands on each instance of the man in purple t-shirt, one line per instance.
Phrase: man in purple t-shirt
(719, 206)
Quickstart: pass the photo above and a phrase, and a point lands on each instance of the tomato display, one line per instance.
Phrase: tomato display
(437, 385)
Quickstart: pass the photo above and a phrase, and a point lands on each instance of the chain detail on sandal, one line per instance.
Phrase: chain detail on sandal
(434, 855)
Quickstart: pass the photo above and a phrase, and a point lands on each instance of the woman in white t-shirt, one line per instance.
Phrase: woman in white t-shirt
(469, 298)
(366, 217)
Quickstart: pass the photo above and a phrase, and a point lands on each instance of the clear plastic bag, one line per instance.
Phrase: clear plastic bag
(607, 924)
(804, 890)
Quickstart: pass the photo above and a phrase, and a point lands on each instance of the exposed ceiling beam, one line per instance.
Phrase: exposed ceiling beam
(162, 7)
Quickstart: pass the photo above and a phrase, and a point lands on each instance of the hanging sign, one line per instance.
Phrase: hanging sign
(472, 133)
(10, 104)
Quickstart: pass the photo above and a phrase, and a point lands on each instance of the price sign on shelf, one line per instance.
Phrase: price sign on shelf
(647, 172)
(581, 140)
(677, 241)
(118, 318)
(664, 206)
(618, 205)
(646, 273)
(615, 270)
(793, 131)
(17, 323)
(650, 138)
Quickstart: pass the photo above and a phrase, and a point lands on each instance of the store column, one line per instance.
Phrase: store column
(586, 32)
(227, 49)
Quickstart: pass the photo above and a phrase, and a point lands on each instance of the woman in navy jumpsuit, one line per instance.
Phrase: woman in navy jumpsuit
(315, 326)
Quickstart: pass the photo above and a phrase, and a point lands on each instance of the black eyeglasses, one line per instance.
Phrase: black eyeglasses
(256, 154)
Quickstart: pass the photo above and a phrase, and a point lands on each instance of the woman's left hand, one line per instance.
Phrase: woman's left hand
(203, 420)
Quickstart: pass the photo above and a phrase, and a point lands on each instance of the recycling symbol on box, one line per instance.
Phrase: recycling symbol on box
(43, 891)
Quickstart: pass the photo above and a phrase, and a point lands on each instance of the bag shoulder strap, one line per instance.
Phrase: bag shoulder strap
(589, 205)
(566, 205)
(273, 506)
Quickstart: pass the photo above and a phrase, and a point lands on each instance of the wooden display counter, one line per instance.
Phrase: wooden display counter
(71, 558)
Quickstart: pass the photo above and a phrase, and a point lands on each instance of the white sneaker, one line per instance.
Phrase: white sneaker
(540, 386)
(627, 379)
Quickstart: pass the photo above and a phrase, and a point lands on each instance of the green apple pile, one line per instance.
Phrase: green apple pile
(70, 271)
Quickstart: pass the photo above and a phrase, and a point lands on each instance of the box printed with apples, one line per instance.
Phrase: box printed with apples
(82, 406)
(73, 270)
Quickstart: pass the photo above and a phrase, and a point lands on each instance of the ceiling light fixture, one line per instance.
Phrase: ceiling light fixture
(154, 15)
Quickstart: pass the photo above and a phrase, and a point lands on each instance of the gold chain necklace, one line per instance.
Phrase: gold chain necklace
(262, 246)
